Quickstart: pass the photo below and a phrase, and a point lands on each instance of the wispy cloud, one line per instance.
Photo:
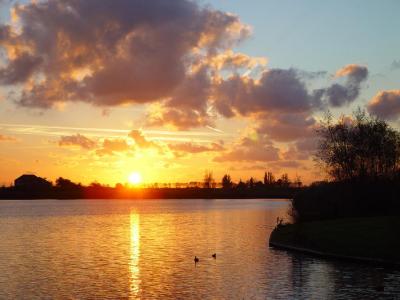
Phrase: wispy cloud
(5, 138)
(158, 135)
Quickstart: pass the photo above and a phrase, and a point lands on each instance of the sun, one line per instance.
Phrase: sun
(135, 178)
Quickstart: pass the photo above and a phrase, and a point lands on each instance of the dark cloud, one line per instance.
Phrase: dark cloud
(77, 140)
(19, 69)
(281, 103)
(277, 90)
(340, 94)
(302, 149)
(188, 105)
(110, 53)
(386, 105)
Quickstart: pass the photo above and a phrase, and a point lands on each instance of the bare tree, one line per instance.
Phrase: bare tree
(358, 148)
(208, 181)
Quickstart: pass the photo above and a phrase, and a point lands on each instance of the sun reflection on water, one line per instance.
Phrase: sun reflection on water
(134, 255)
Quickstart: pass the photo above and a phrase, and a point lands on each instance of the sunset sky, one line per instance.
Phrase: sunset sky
(94, 90)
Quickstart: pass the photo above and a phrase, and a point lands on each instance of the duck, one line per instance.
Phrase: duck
(196, 259)
(214, 255)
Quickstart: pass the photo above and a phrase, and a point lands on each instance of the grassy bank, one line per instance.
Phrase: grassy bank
(376, 238)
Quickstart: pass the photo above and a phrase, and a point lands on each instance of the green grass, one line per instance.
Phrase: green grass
(372, 237)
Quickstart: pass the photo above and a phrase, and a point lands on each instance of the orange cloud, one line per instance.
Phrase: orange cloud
(386, 104)
(77, 140)
(251, 149)
(141, 141)
(113, 146)
(5, 138)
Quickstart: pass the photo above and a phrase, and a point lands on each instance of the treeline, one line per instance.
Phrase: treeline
(252, 183)
(362, 157)
(33, 187)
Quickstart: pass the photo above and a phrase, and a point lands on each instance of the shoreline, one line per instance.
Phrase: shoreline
(328, 255)
(370, 240)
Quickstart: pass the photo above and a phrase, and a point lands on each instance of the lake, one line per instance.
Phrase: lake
(144, 249)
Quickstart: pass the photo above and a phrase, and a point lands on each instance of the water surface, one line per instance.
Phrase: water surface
(122, 249)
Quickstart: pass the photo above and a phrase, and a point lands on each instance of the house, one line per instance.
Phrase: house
(33, 182)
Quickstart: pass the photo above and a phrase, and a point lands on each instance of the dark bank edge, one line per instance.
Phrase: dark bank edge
(330, 255)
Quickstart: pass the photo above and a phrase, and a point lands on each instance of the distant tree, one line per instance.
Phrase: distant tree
(259, 184)
(250, 183)
(119, 186)
(227, 182)
(65, 184)
(269, 178)
(241, 185)
(208, 181)
(284, 180)
(298, 181)
(361, 147)
(96, 185)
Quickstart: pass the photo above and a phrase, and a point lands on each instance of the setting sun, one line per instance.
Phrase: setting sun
(135, 178)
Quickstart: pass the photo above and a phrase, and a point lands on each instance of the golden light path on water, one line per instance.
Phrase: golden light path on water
(134, 255)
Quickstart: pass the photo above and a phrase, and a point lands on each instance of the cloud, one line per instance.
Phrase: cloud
(130, 51)
(5, 138)
(113, 146)
(19, 69)
(302, 149)
(110, 146)
(250, 149)
(281, 103)
(176, 56)
(188, 105)
(277, 90)
(232, 61)
(292, 164)
(141, 141)
(287, 127)
(196, 148)
(339, 94)
(77, 140)
(386, 105)
(355, 72)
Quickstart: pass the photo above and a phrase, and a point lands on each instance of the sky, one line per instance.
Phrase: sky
(94, 90)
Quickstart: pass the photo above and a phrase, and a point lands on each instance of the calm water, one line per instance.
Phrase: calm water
(85, 249)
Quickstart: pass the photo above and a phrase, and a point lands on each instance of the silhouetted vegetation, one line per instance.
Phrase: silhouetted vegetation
(373, 239)
(362, 157)
(362, 148)
(227, 182)
(209, 181)
(34, 187)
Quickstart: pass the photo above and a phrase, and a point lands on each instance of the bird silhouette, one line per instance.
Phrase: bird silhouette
(196, 259)
(214, 255)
